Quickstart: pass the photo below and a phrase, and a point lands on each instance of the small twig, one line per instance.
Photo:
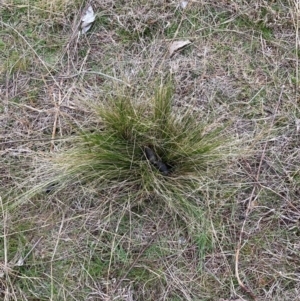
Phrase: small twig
(22, 260)
(238, 249)
(4, 218)
(30, 140)
(251, 199)
(33, 247)
(83, 72)
(53, 255)
(54, 123)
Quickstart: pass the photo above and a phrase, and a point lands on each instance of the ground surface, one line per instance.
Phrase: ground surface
(241, 68)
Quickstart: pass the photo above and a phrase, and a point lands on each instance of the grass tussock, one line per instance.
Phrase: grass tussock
(185, 152)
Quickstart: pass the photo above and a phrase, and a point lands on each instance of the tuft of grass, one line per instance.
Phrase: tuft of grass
(114, 155)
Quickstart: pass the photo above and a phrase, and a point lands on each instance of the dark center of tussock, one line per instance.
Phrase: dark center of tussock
(154, 160)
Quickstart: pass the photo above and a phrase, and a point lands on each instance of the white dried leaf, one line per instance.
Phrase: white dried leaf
(297, 125)
(183, 4)
(178, 45)
(20, 262)
(182, 240)
(87, 19)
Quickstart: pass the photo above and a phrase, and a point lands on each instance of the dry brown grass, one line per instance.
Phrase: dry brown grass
(81, 245)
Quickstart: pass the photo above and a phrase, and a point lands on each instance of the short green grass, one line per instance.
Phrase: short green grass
(223, 224)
